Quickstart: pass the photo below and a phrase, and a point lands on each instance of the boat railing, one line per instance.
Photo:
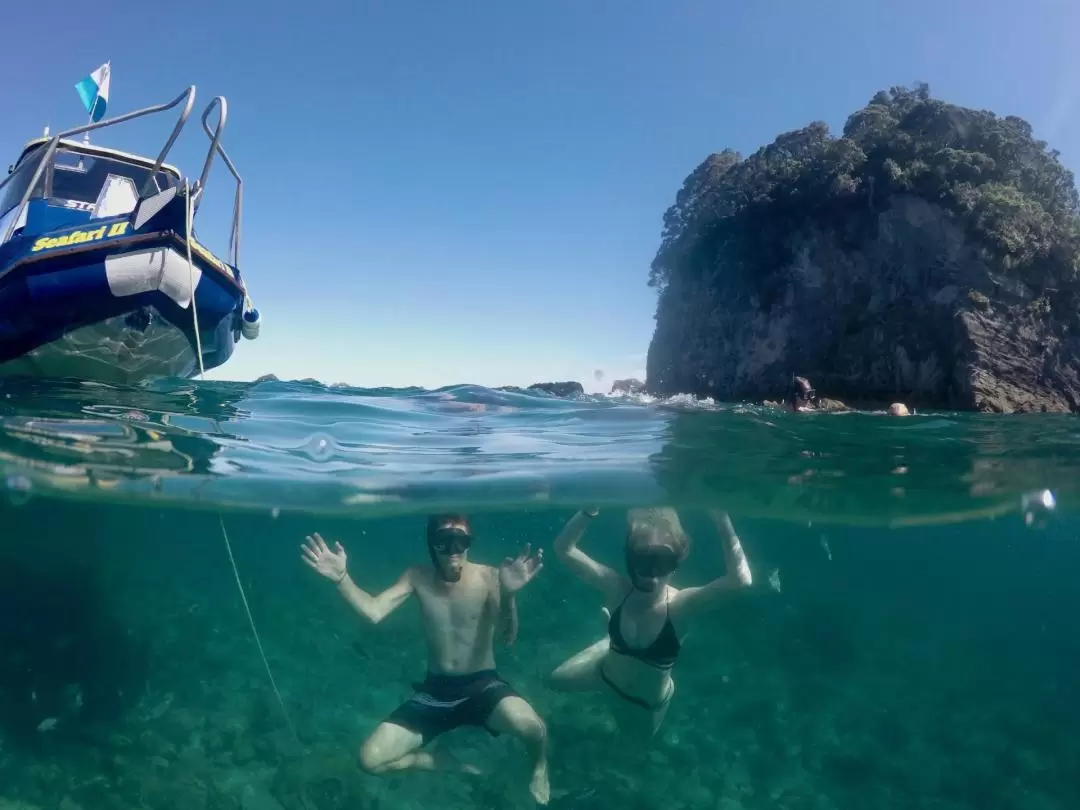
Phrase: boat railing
(217, 149)
(188, 97)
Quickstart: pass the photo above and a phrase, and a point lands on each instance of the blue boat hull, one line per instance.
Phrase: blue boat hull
(104, 300)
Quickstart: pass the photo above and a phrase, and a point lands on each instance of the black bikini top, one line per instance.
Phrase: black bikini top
(660, 654)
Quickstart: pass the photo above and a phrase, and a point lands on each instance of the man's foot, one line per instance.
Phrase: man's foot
(539, 786)
(446, 760)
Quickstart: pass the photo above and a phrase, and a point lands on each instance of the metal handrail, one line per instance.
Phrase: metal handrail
(216, 148)
(50, 150)
(215, 138)
(189, 94)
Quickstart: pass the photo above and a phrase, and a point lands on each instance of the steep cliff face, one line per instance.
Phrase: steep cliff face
(915, 312)
(877, 288)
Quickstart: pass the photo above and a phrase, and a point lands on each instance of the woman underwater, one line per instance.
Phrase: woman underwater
(647, 616)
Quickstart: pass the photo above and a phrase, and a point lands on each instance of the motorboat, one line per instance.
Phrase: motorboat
(102, 276)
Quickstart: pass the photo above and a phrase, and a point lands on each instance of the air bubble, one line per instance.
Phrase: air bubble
(17, 489)
(1037, 508)
(320, 447)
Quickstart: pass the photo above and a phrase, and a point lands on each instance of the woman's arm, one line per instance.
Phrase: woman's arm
(585, 567)
(736, 577)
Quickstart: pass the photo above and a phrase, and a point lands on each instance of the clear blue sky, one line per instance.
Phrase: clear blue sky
(473, 192)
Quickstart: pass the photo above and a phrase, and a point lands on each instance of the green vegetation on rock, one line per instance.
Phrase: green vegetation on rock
(1008, 189)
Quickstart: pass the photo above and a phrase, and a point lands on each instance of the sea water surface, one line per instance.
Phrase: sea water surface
(911, 639)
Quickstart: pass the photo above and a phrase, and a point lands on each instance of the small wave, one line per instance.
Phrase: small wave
(305, 445)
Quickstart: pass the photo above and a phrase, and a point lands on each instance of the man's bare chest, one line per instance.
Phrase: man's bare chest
(458, 608)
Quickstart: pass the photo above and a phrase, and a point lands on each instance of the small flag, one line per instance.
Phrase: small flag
(94, 92)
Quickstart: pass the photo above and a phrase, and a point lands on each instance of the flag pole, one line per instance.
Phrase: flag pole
(97, 93)
(90, 116)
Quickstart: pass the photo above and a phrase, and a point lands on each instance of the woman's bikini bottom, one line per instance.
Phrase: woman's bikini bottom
(636, 700)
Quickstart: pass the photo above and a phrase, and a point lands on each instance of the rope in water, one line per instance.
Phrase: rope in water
(191, 277)
(254, 632)
(221, 520)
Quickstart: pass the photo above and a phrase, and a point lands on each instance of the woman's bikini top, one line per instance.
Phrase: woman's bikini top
(660, 654)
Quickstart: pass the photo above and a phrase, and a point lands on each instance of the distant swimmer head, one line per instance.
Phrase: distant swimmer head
(801, 395)
(655, 546)
(449, 538)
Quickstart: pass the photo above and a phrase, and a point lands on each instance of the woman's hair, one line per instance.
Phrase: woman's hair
(656, 527)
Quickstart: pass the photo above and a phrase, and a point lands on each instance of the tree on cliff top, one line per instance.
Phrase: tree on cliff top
(1013, 195)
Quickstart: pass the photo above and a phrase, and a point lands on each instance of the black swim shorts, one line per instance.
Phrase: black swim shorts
(444, 702)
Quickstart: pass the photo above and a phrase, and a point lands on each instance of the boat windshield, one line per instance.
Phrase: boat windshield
(80, 178)
(12, 192)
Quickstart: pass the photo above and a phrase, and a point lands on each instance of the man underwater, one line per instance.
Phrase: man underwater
(461, 603)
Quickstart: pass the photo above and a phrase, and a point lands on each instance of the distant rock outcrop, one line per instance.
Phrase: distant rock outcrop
(559, 389)
(930, 255)
(275, 378)
(628, 386)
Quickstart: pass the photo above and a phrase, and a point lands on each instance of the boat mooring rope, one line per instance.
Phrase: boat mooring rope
(254, 632)
(221, 521)
(188, 217)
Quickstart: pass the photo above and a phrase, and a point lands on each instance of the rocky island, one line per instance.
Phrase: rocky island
(929, 254)
(630, 385)
(570, 388)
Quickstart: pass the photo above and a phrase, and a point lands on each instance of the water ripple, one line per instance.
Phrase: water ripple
(282, 445)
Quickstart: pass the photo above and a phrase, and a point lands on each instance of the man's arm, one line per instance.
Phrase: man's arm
(508, 617)
(506, 621)
(377, 608)
(736, 576)
(506, 580)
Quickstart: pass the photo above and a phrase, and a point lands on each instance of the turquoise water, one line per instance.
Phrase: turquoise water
(911, 638)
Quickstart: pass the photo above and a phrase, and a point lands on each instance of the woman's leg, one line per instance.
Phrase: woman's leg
(637, 721)
(582, 672)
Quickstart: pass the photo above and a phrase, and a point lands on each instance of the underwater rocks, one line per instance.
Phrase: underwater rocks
(257, 797)
(559, 389)
(66, 660)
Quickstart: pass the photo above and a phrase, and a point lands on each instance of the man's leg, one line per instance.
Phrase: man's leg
(513, 716)
(394, 748)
